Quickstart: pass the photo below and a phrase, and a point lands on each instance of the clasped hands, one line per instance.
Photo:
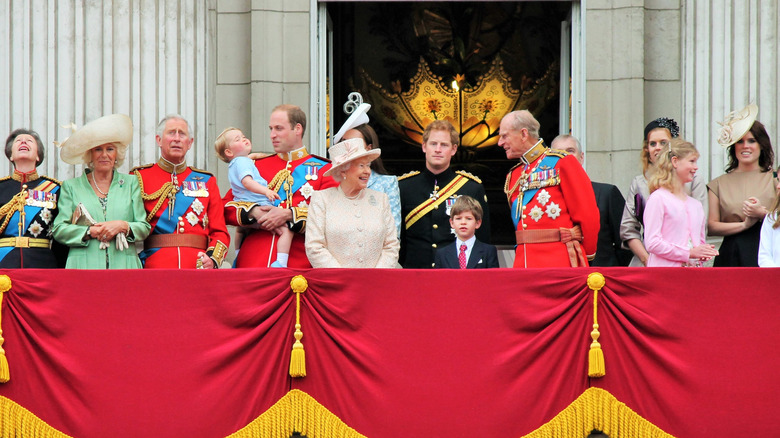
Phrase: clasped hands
(107, 231)
(753, 211)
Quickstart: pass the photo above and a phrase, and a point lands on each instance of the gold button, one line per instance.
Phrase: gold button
(435, 207)
(434, 245)
(524, 216)
(525, 225)
(435, 226)
(181, 230)
(524, 208)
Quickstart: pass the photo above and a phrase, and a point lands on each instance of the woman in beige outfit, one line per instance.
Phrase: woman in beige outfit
(351, 226)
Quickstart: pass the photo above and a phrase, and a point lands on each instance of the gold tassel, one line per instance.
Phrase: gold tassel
(298, 356)
(5, 286)
(596, 367)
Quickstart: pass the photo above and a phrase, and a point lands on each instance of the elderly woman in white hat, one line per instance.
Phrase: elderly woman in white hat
(357, 126)
(101, 211)
(738, 199)
(351, 226)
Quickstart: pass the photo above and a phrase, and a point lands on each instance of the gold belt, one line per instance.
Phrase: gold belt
(25, 242)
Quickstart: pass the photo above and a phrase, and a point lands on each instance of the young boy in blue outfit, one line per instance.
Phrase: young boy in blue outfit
(234, 148)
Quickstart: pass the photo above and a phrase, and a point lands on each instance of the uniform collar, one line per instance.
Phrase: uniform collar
(447, 175)
(535, 152)
(24, 177)
(294, 155)
(170, 167)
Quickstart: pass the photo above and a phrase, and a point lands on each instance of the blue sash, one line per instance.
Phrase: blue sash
(30, 212)
(299, 177)
(183, 202)
(549, 161)
(168, 226)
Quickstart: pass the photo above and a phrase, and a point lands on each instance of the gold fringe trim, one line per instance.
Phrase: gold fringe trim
(297, 412)
(17, 421)
(596, 408)
(596, 366)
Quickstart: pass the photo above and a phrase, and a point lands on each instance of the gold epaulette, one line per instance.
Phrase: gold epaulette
(202, 171)
(141, 167)
(408, 174)
(5, 178)
(469, 175)
(557, 153)
(55, 181)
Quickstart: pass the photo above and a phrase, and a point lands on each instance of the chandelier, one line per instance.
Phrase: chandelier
(474, 111)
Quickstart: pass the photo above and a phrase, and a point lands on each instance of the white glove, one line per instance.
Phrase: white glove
(121, 242)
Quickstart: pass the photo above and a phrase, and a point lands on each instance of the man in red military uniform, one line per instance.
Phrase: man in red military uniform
(183, 205)
(550, 197)
(294, 174)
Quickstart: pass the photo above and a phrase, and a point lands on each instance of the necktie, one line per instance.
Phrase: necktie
(462, 257)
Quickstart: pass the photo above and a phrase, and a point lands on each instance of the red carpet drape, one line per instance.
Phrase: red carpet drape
(390, 353)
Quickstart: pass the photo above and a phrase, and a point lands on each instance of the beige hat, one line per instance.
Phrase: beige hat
(736, 125)
(114, 128)
(357, 118)
(348, 151)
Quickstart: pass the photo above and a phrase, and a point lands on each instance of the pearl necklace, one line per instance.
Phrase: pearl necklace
(105, 194)
(352, 198)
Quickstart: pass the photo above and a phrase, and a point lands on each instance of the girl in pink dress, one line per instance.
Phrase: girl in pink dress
(675, 222)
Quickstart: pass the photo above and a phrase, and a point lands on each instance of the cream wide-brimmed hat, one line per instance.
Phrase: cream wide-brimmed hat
(736, 125)
(114, 128)
(357, 118)
(348, 151)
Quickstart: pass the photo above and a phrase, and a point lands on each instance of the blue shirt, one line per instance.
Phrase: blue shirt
(238, 169)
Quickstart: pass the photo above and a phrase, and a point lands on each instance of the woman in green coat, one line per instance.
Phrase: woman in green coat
(101, 212)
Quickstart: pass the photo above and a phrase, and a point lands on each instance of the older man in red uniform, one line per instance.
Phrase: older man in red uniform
(551, 199)
(294, 174)
(183, 205)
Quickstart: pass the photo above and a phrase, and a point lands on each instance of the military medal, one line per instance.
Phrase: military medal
(195, 189)
(435, 192)
(450, 202)
(311, 171)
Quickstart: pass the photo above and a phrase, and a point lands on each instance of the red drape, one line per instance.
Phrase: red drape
(390, 352)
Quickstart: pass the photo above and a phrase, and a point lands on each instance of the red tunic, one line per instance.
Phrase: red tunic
(203, 216)
(566, 202)
(259, 246)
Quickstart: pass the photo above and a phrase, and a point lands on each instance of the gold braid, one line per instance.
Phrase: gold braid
(15, 204)
(161, 195)
(279, 179)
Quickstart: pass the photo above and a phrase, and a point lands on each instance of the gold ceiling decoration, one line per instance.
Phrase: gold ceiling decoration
(475, 111)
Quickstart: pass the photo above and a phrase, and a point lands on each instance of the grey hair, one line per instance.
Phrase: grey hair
(161, 125)
(564, 137)
(523, 119)
(121, 154)
(339, 175)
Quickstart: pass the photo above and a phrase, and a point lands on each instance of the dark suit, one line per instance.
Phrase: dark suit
(482, 256)
(611, 204)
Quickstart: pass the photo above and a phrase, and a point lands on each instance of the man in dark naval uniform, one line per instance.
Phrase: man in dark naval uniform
(427, 196)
